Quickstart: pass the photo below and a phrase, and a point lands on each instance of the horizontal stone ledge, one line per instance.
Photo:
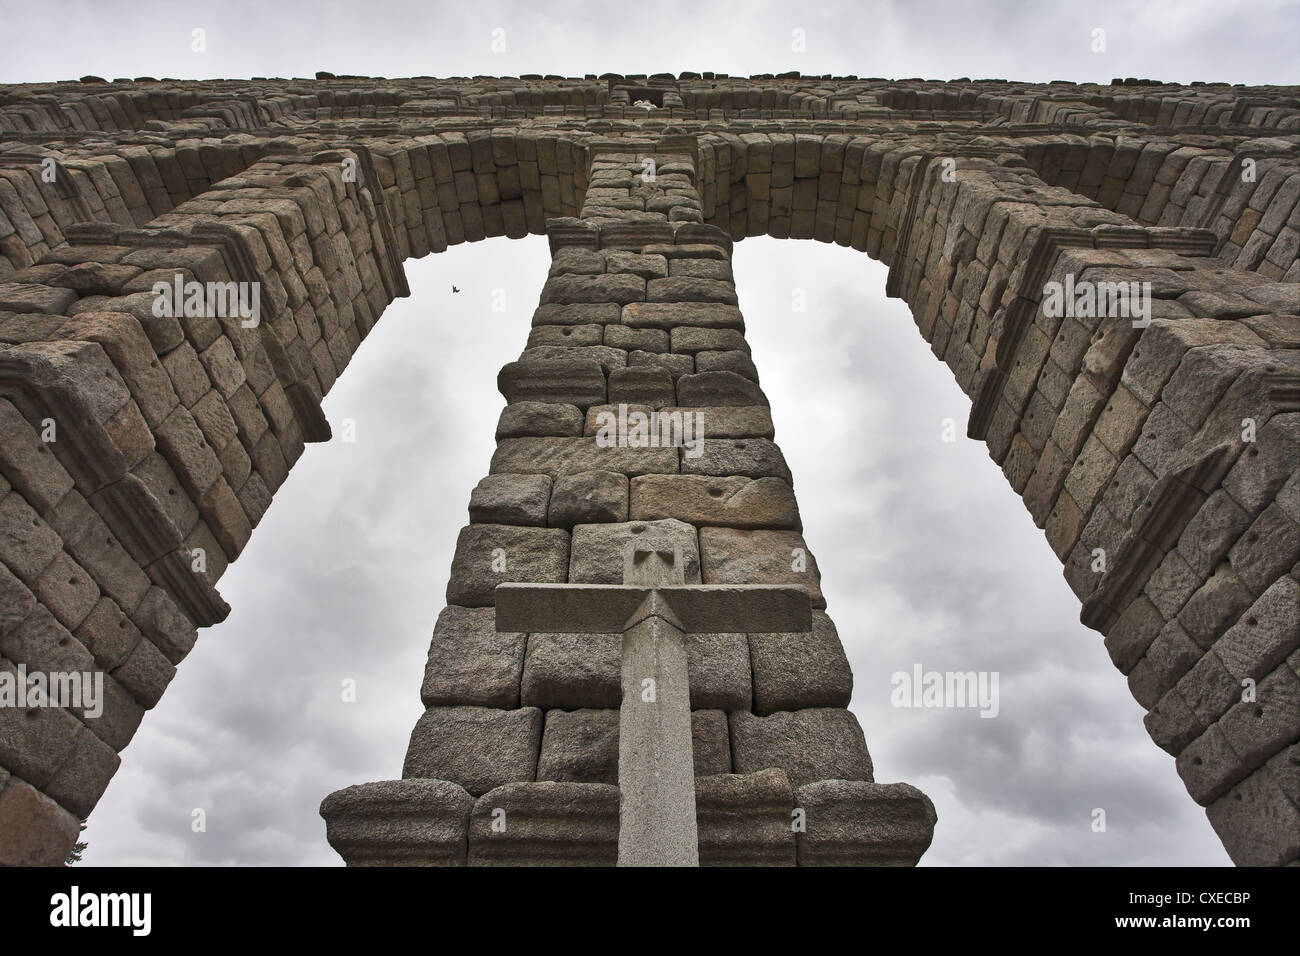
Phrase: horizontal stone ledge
(857, 823)
(399, 823)
(745, 819)
(607, 608)
(545, 824)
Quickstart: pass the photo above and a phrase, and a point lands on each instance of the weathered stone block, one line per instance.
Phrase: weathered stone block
(1209, 766)
(570, 671)
(588, 497)
(852, 823)
(731, 556)
(800, 670)
(670, 315)
(675, 363)
(510, 499)
(1257, 822)
(470, 662)
(693, 340)
(1257, 729)
(1268, 549)
(580, 746)
(718, 388)
(81, 781)
(476, 747)
(539, 419)
(545, 824)
(34, 830)
(747, 458)
(579, 382)
(562, 456)
(745, 819)
(644, 340)
(565, 336)
(710, 743)
(735, 361)
(642, 385)
(809, 745)
(732, 501)
(1265, 635)
(399, 823)
(26, 542)
(597, 556)
(489, 554)
(718, 667)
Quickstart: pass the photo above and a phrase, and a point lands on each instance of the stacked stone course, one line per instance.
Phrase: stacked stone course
(1169, 449)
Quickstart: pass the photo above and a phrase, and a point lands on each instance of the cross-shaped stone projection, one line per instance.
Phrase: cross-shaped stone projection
(1109, 271)
(657, 610)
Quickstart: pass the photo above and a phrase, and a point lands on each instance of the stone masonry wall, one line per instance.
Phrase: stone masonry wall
(138, 452)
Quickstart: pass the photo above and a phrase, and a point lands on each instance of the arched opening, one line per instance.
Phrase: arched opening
(971, 261)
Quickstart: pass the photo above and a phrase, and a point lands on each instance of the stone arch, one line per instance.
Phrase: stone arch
(174, 435)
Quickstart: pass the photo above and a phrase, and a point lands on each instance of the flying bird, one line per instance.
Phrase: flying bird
(454, 289)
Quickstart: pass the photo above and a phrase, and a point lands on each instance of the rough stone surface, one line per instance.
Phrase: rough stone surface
(809, 745)
(745, 819)
(856, 823)
(489, 554)
(510, 499)
(569, 671)
(470, 662)
(733, 501)
(793, 671)
(598, 549)
(175, 433)
(588, 497)
(545, 824)
(731, 556)
(476, 747)
(34, 830)
(399, 823)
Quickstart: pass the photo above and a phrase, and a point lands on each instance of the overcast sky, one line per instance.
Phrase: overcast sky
(1032, 40)
(927, 554)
